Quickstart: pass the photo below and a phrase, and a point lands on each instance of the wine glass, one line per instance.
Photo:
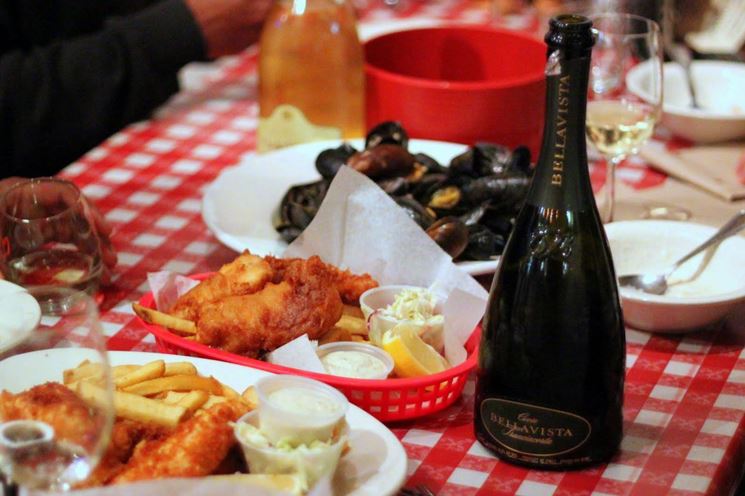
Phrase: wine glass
(54, 427)
(618, 120)
(47, 238)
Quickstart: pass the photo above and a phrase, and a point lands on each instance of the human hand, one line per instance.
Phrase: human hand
(102, 227)
(229, 26)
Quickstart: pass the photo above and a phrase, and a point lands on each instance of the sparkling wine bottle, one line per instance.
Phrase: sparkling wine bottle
(551, 363)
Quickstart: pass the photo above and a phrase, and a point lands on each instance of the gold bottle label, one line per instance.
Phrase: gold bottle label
(533, 430)
(287, 125)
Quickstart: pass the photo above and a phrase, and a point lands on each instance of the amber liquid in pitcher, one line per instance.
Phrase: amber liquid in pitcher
(311, 82)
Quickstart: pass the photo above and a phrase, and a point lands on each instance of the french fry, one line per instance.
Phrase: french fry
(173, 397)
(213, 400)
(353, 311)
(180, 368)
(229, 392)
(155, 317)
(353, 325)
(333, 335)
(193, 400)
(175, 383)
(134, 407)
(121, 370)
(145, 373)
(85, 370)
(359, 339)
(250, 397)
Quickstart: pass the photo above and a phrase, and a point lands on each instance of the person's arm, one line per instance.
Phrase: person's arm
(59, 101)
(28, 23)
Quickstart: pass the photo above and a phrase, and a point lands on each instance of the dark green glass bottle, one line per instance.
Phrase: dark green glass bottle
(552, 357)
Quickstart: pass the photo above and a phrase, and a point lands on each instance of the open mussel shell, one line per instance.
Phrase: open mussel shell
(383, 161)
(329, 161)
(388, 132)
(451, 234)
(416, 211)
(483, 244)
(299, 206)
(432, 165)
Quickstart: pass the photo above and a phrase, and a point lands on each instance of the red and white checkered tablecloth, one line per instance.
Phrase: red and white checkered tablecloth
(685, 396)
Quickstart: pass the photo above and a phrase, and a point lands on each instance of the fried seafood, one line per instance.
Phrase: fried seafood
(70, 417)
(305, 301)
(194, 449)
(349, 285)
(245, 275)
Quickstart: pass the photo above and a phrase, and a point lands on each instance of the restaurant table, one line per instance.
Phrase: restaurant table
(684, 407)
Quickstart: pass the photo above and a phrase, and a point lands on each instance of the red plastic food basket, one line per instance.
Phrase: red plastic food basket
(387, 400)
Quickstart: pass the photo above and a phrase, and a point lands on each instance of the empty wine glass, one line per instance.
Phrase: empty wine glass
(54, 426)
(618, 120)
(47, 238)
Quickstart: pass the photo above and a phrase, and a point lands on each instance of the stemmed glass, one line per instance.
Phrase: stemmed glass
(47, 238)
(619, 121)
(54, 427)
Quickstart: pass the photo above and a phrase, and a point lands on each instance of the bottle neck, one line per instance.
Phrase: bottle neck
(562, 177)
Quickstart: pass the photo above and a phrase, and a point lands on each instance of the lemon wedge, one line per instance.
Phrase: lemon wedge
(411, 355)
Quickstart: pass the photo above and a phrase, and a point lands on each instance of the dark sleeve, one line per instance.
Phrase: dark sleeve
(28, 23)
(59, 101)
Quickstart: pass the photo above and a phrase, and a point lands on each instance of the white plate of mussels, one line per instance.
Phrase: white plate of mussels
(242, 206)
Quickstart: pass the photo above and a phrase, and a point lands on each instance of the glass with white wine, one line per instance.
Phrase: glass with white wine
(618, 121)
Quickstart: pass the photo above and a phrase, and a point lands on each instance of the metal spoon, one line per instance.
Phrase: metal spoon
(682, 55)
(657, 283)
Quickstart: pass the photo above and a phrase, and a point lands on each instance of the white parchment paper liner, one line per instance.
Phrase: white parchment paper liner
(359, 227)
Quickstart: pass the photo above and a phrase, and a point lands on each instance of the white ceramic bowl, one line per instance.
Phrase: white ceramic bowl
(652, 245)
(719, 92)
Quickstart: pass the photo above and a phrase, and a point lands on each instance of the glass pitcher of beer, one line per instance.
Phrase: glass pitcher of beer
(311, 81)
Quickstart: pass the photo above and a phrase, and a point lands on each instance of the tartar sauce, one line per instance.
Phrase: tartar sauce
(355, 364)
(295, 399)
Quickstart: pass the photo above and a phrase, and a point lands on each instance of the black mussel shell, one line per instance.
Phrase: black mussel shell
(418, 213)
(428, 184)
(388, 132)
(383, 161)
(329, 161)
(503, 191)
(483, 244)
(474, 216)
(451, 234)
(463, 164)
(432, 165)
(289, 233)
(490, 159)
(520, 161)
(300, 204)
(395, 186)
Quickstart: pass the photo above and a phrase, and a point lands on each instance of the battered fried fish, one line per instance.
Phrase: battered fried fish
(349, 285)
(125, 436)
(194, 449)
(304, 301)
(244, 275)
(70, 417)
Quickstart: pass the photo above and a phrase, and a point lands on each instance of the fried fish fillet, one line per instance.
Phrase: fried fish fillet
(349, 285)
(125, 436)
(305, 301)
(194, 449)
(244, 275)
(70, 417)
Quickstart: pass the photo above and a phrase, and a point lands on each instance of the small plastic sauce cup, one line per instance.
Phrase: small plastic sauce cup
(312, 464)
(376, 299)
(362, 348)
(298, 410)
